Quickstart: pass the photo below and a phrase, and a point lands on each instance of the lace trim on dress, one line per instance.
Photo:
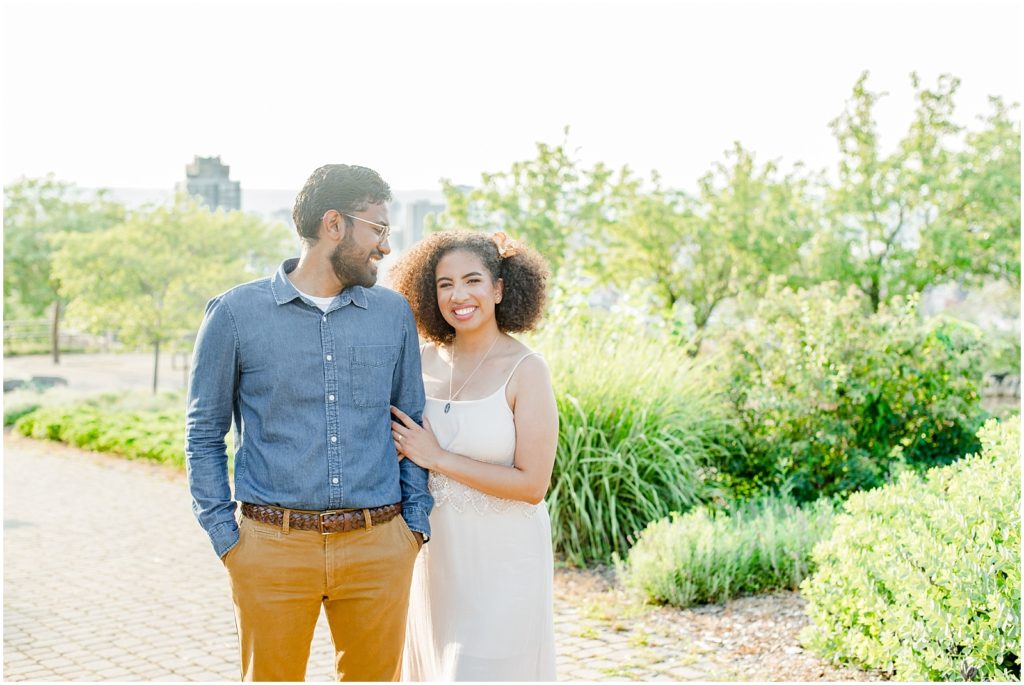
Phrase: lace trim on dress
(448, 492)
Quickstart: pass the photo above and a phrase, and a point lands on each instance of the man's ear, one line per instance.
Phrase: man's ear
(332, 225)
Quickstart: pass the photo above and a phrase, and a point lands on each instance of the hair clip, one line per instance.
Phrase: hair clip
(506, 246)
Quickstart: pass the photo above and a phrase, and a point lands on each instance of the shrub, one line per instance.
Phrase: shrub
(921, 578)
(833, 399)
(640, 425)
(705, 556)
(28, 398)
(130, 424)
(153, 435)
(12, 414)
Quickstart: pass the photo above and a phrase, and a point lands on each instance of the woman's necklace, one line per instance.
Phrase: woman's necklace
(451, 373)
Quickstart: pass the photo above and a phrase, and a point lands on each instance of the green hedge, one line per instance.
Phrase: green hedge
(12, 414)
(833, 399)
(921, 578)
(131, 424)
(641, 426)
(706, 556)
(152, 435)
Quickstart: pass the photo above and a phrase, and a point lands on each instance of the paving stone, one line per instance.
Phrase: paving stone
(601, 664)
(37, 674)
(15, 672)
(12, 657)
(585, 674)
(104, 631)
(686, 673)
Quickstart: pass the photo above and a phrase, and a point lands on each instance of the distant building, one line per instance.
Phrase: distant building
(207, 179)
(408, 218)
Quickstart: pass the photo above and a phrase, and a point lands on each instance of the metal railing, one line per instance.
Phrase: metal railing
(32, 336)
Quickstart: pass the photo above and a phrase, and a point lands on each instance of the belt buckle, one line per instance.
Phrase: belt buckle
(320, 520)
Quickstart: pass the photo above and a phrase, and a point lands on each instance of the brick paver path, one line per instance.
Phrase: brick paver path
(107, 576)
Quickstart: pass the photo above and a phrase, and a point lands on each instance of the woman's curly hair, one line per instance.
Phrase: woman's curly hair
(524, 274)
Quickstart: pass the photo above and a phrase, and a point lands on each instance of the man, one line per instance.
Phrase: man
(305, 364)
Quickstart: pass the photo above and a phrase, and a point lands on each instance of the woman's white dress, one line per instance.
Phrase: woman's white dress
(481, 602)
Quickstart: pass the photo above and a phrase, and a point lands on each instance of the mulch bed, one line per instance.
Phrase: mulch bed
(749, 638)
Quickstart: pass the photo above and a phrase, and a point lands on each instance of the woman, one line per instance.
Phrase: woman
(481, 606)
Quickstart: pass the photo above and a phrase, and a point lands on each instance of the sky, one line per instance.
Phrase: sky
(124, 94)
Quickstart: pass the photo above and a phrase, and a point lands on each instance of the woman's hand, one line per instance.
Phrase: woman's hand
(418, 444)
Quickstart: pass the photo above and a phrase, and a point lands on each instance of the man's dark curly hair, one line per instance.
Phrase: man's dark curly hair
(524, 274)
(344, 187)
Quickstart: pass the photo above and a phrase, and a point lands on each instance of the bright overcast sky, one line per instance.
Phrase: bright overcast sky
(124, 94)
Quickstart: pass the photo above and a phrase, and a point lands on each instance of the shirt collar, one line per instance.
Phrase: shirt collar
(285, 292)
(356, 294)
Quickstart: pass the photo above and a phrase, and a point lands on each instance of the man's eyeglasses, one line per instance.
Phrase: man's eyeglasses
(383, 230)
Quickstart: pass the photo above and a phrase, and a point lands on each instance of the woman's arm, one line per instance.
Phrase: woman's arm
(536, 420)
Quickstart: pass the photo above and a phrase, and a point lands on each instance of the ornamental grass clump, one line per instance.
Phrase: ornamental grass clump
(640, 428)
(921, 578)
(708, 556)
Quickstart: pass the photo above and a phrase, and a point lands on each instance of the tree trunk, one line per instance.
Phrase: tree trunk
(875, 294)
(156, 363)
(55, 332)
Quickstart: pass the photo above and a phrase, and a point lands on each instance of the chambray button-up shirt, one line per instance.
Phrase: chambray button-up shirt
(308, 394)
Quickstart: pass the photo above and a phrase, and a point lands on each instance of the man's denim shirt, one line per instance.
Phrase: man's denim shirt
(308, 393)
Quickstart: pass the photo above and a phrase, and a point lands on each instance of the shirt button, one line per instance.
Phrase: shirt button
(330, 397)
(329, 357)
(325, 318)
(334, 480)
(334, 438)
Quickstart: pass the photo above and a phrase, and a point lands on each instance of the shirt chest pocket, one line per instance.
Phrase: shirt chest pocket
(373, 367)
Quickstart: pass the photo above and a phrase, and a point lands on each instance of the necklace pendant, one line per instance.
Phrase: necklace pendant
(447, 407)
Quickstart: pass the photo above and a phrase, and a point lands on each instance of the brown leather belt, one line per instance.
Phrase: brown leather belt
(336, 521)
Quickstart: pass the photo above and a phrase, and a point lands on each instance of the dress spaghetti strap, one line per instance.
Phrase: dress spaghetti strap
(521, 360)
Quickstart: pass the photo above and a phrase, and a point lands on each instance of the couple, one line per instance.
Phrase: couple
(345, 467)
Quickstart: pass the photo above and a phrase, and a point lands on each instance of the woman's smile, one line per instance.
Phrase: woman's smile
(464, 312)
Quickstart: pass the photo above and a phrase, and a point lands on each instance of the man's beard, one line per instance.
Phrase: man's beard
(351, 265)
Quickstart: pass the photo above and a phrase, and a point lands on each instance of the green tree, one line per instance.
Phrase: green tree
(550, 202)
(747, 222)
(39, 213)
(924, 213)
(985, 197)
(148, 277)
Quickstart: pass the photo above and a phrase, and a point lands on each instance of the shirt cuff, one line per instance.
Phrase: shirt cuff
(224, 536)
(417, 521)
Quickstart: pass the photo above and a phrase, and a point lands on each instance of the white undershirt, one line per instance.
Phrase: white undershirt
(322, 302)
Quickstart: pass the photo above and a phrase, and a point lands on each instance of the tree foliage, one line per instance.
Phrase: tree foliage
(746, 222)
(148, 277)
(551, 202)
(941, 207)
(39, 214)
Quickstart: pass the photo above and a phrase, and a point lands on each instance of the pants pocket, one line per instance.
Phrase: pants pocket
(233, 552)
(407, 533)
